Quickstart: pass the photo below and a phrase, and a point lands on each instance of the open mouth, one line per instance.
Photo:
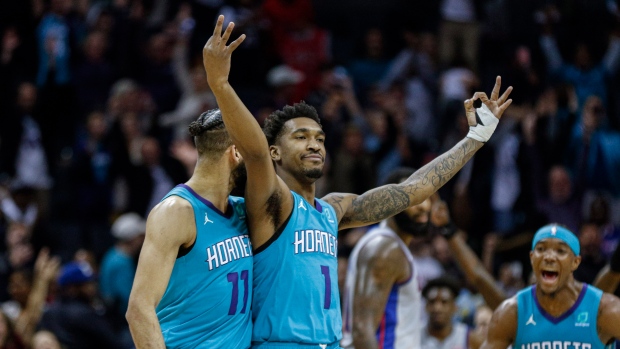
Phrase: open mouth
(549, 276)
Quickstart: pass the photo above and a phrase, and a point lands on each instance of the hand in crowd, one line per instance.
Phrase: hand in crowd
(46, 267)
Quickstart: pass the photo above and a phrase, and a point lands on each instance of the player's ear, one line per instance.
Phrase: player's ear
(576, 262)
(532, 258)
(274, 151)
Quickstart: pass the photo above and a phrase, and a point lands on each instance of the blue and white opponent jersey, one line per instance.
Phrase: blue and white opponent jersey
(296, 300)
(400, 326)
(207, 301)
(575, 329)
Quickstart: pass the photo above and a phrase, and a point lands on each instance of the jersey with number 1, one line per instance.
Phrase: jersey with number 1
(296, 299)
(207, 300)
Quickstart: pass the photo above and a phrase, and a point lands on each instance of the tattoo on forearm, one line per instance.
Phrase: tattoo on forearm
(389, 200)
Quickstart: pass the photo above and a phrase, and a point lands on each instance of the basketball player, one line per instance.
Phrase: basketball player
(294, 234)
(193, 286)
(382, 301)
(558, 311)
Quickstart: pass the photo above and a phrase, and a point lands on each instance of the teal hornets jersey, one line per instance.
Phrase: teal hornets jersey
(575, 329)
(296, 299)
(207, 301)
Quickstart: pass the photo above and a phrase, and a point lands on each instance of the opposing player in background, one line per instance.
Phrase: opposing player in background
(294, 234)
(193, 286)
(382, 299)
(558, 311)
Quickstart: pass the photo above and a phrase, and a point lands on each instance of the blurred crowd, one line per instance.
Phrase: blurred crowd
(96, 97)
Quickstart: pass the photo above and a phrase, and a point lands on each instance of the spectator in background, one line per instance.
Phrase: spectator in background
(561, 205)
(154, 176)
(93, 173)
(600, 215)
(74, 317)
(95, 74)
(592, 260)
(459, 31)
(371, 64)
(23, 153)
(283, 80)
(189, 75)
(587, 76)
(441, 332)
(29, 292)
(118, 267)
(592, 154)
(55, 43)
(299, 42)
(156, 73)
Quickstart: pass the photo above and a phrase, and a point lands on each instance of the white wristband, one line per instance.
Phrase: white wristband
(486, 124)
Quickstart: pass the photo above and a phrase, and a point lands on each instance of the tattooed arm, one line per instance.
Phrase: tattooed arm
(383, 202)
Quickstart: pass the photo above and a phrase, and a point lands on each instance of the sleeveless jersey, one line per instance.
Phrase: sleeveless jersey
(400, 324)
(575, 329)
(207, 301)
(458, 339)
(296, 300)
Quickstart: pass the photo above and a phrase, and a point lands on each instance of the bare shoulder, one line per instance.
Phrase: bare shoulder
(384, 257)
(507, 309)
(172, 221)
(504, 320)
(609, 317)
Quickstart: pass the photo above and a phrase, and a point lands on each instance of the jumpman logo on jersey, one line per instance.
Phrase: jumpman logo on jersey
(531, 321)
(301, 205)
(207, 220)
(323, 346)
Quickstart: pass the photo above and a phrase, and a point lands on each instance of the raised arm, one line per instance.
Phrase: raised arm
(45, 270)
(475, 272)
(263, 185)
(503, 326)
(386, 201)
(169, 226)
(608, 278)
(379, 267)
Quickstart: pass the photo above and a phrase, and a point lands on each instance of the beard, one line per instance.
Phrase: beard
(312, 173)
(407, 225)
(238, 178)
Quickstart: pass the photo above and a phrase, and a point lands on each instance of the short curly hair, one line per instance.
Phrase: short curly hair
(210, 135)
(442, 282)
(274, 124)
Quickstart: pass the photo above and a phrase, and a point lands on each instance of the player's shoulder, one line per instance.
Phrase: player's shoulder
(507, 309)
(381, 248)
(609, 304)
(171, 211)
(171, 204)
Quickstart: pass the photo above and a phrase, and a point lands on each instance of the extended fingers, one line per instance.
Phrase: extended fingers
(504, 96)
(217, 32)
(227, 32)
(503, 107)
(495, 92)
(233, 45)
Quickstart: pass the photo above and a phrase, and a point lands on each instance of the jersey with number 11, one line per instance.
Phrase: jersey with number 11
(207, 302)
(296, 298)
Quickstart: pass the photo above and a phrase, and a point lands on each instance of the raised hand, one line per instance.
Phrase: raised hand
(216, 54)
(483, 121)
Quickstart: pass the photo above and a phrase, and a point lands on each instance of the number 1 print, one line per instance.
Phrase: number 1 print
(328, 287)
